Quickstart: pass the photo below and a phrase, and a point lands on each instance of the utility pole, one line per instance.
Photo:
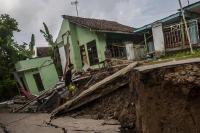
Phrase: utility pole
(76, 5)
(186, 27)
(188, 2)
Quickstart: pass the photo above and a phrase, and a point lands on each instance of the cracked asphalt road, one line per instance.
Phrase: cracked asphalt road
(32, 123)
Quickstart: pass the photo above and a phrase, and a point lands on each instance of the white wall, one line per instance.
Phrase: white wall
(158, 37)
(130, 51)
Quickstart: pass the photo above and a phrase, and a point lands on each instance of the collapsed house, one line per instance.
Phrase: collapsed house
(82, 41)
(168, 34)
(36, 75)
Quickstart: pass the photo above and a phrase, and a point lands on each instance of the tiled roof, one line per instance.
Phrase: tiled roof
(99, 25)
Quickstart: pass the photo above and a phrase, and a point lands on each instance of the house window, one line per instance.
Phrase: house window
(92, 53)
(38, 82)
(117, 50)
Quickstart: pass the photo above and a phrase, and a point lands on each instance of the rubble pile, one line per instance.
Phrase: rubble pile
(96, 91)
(53, 98)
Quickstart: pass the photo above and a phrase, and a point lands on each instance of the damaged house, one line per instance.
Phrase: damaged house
(36, 75)
(82, 41)
(168, 34)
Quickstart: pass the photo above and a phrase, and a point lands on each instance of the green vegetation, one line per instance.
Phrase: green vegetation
(10, 53)
(180, 55)
(183, 55)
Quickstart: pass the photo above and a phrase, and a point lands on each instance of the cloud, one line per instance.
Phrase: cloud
(32, 13)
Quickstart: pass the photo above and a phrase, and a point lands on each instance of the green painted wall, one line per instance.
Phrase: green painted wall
(83, 35)
(43, 66)
(31, 85)
(63, 30)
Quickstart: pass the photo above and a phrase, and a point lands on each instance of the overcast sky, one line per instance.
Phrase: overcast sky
(31, 13)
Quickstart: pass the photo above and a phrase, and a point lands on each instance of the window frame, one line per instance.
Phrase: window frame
(92, 53)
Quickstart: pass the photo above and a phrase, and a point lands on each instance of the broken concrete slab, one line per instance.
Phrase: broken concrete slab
(86, 125)
(31, 123)
(167, 64)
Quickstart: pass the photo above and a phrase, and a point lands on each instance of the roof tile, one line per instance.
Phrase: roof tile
(98, 24)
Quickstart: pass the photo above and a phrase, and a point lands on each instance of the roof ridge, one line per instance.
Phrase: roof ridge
(89, 18)
(99, 24)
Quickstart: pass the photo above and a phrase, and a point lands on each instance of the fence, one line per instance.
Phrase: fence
(176, 37)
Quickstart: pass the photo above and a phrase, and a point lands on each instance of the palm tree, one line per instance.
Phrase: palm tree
(49, 38)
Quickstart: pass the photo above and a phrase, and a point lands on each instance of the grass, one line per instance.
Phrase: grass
(180, 55)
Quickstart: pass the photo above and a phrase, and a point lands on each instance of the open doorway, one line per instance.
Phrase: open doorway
(38, 82)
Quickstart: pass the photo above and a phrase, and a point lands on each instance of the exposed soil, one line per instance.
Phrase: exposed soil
(168, 100)
(119, 105)
(160, 100)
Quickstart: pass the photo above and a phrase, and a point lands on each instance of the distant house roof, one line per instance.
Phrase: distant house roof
(99, 25)
(163, 20)
(194, 8)
(42, 51)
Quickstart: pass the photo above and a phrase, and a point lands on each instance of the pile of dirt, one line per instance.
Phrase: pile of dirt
(118, 105)
(168, 99)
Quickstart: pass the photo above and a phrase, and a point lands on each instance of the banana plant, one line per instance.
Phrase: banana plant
(49, 38)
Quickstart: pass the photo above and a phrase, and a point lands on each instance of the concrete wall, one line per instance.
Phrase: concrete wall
(83, 36)
(31, 85)
(32, 63)
(158, 38)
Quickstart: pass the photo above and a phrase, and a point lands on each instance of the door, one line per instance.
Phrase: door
(38, 82)
(92, 53)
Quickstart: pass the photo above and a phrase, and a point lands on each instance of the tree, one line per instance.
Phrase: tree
(32, 43)
(10, 53)
(48, 37)
(30, 49)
